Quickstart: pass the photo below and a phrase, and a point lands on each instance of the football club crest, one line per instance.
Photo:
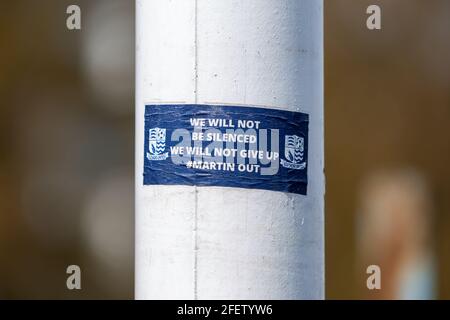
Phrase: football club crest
(157, 144)
(294, 152)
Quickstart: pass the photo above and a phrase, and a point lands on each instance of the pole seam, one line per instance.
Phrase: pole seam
(195, 231)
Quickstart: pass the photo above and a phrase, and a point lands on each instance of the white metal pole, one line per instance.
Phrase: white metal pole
(215, 242)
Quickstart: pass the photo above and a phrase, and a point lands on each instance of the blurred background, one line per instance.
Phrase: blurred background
(67, 149)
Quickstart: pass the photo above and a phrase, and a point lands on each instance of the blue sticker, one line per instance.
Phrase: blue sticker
(229, 146)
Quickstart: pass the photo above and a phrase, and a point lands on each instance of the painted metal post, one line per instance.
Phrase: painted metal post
(219, 242)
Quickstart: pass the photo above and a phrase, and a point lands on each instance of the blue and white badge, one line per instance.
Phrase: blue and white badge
(157, 144)
(229, 146)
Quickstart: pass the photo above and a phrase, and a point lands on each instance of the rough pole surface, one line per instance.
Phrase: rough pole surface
(230, 243)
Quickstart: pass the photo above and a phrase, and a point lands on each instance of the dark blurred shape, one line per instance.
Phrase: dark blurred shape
(67, 149)
(385, 108)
